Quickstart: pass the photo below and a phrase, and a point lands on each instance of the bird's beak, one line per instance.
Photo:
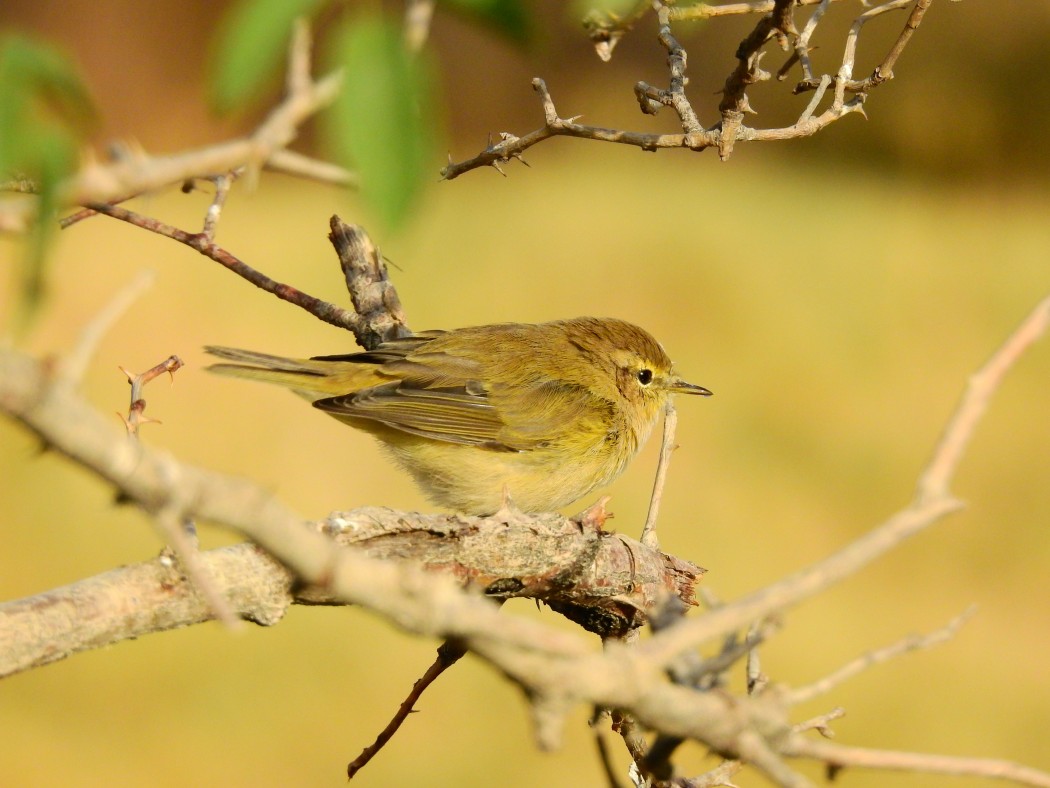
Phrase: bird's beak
(679, 386)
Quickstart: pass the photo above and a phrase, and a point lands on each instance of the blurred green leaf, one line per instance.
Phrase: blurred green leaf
(44, 113)
(382, 122)
(40, 90)
(509, 17)
(250, 46)
(56, 162)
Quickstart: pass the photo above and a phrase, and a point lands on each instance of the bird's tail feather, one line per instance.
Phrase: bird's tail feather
(305, 376)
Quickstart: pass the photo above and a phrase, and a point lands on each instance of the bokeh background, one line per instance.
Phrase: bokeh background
(834, 292)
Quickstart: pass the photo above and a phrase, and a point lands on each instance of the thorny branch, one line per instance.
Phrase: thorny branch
(776, 23)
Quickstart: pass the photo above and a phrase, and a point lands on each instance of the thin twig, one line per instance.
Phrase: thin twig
(839, 756)
(708, 11)
(732, 650)
(448, 654)
(223, 183)
(75, 363)
(633, 736)
(135, 417)
(293, 163)
(175, 531)
(86, 213)
(174, 526)
(849, 57)
(885, 69)
(322, 310)
(605, 759)
(877, 657)
(802, 44)
(512, 146)
(822, 87)
(298, 81)
(756, 679)
(676, 62)
(983, 384)
(667, 448)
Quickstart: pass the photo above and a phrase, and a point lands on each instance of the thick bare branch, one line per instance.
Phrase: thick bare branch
(604, 581)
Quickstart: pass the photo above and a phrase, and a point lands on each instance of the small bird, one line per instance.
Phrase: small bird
(541, 414)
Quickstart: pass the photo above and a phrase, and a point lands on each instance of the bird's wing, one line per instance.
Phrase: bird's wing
(451, 414)
(444, 397)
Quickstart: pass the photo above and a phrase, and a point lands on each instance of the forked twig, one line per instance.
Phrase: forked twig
(135, 417)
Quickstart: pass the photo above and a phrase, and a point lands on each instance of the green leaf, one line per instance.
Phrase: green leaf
(250, 47)
(56, 161)
(40, 91)
(44, 112)
(381, 122)
(508, 17)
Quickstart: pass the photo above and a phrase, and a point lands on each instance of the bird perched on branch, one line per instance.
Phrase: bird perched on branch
(540, 413)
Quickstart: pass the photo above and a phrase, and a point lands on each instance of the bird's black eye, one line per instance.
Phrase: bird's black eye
(645, 376)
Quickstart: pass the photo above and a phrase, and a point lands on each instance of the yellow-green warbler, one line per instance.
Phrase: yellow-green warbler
(542, 413)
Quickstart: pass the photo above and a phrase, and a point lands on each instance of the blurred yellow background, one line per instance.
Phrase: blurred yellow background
(834, 294)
